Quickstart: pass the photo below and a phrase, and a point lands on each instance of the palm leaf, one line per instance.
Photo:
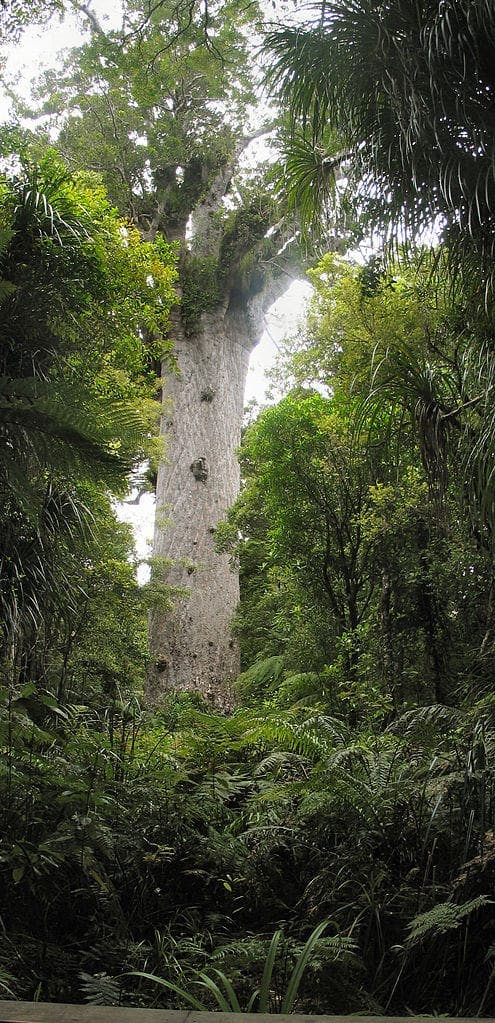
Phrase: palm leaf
(381, 75)
(43, 206)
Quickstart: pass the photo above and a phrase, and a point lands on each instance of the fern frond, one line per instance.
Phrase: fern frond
(446, 916)
(100, 989)
(420, 719)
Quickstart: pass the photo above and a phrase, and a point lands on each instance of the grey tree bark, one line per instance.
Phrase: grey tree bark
(192, 645)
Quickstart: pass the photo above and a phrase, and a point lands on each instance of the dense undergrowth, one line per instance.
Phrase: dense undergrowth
(178, 845)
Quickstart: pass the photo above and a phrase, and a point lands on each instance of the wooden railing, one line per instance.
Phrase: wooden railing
(51, 1012)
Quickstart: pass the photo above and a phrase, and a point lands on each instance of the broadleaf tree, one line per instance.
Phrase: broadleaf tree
(361, 558)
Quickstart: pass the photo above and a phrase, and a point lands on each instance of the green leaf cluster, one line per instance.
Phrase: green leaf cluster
(84, 311)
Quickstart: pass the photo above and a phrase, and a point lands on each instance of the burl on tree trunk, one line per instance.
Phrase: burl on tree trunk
(192, 645)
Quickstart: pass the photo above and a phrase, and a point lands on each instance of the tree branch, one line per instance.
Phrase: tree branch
(206, 231)
(96, 25)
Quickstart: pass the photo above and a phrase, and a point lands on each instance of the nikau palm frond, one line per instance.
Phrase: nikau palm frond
(412, 95)
(42, 208)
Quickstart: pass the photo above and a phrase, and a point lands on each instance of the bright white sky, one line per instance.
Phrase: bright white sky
(37, 51)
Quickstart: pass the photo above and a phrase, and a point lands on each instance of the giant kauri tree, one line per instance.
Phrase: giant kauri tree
(160, 108)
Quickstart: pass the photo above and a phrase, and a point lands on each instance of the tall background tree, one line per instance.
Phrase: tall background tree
(355, 782)
(351, 502)
(160, 108)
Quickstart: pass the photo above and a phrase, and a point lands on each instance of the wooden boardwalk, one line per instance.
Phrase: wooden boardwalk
(51, 1012)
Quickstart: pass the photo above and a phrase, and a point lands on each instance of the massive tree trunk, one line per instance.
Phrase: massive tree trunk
(192, 645)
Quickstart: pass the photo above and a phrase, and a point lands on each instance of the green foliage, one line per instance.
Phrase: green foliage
(209, 826)
(419, 148)
(317, 564)
(16, 15)
(446, 916)
(257, 679)
(355, 780)
(200, 289)
(80, 295)
(259, 1000)
(160, 114)
(83, 293)
(246, 227)
(154, 111)
(100, 989)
